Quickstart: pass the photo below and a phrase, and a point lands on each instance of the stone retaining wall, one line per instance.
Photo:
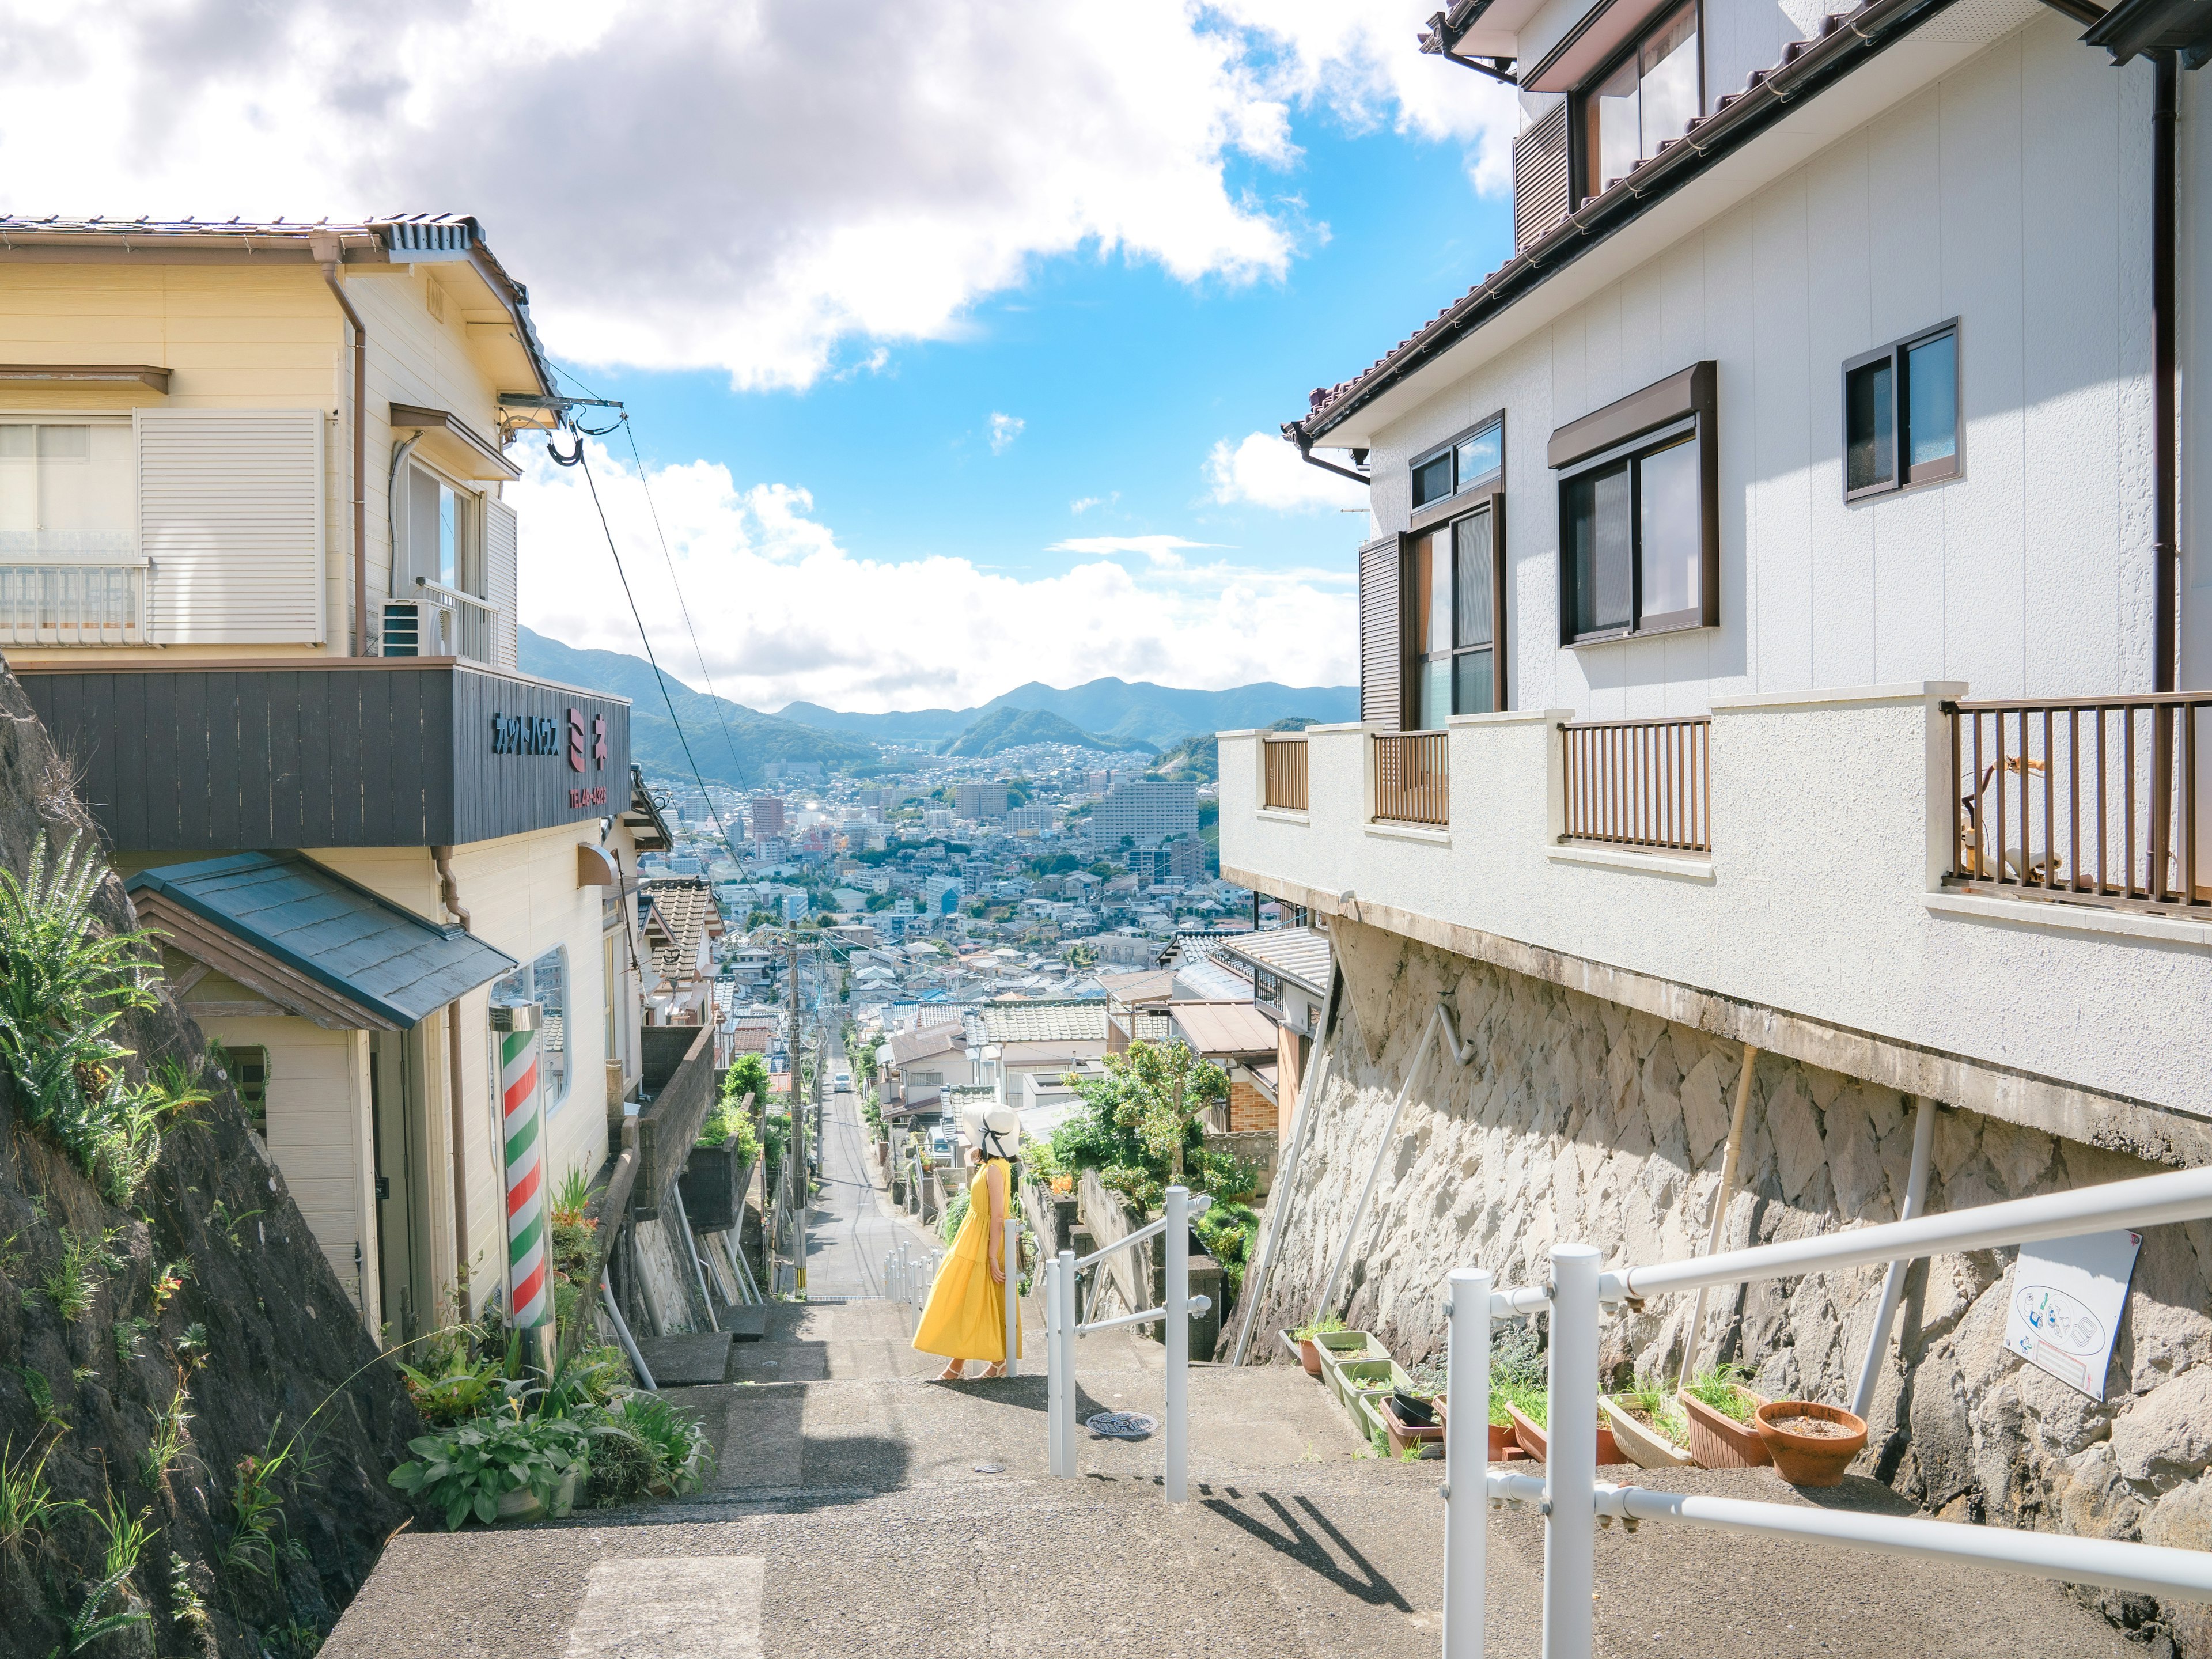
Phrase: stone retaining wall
(1579, 1119)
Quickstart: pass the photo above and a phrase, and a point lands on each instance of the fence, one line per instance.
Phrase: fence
(466, 626)
(1177, 1306)
(1283, 766)
(1413, 778)
(2093, 800)
(74, 603)
(1573, 1499)
(1639, 783)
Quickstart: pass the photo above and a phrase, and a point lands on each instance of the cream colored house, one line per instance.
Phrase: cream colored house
(258, 577)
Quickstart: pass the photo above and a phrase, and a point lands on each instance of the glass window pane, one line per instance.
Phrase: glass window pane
(1436, 601)
(67, 491)
(1482, 454)
(1931, 390)
(1668, 97)
(1672, 528)
(65, 443)
(1617, 128)
(1474, 690)
(1599, 535)
(1436, 693)
(1432, 480)
(449, 535)
(1471, 555)
(16, 442)
(1871, 417)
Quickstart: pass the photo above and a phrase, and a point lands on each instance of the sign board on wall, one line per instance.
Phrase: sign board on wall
(2068, 1297)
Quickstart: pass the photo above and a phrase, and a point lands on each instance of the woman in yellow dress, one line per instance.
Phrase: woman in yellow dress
(966, 1317)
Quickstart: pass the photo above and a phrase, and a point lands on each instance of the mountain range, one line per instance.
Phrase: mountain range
(733, 744)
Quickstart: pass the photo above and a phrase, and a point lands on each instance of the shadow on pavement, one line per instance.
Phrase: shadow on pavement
(1365, 1583)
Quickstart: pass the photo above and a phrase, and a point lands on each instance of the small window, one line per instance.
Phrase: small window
(545, 981)
(1472, 457)
(1901, 414)
(443, 546)
(1637, 540)
(67, 491)
(249, 1075)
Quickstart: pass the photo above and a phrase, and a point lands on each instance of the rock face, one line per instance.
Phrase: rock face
(258, 1338)
(1579, 1119)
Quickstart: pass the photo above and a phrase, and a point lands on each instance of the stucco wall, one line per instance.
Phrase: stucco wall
(1580, 1120)
(2013, 194)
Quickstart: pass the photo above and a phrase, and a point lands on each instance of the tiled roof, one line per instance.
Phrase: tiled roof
(907, 1047)
(1842, 40)
(1044, 1022)
(1223, 1028)
(685, 907)
(1293, 953)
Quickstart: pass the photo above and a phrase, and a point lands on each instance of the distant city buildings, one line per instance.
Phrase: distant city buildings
(979, 801)
(1147, 810)
(767, 813)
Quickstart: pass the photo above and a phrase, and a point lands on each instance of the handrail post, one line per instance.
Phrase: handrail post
(1013, 1292)
(1467, 1370)
(1571, 1454)
(1178, 1305)
(1052, 1370)
(1067, 1395)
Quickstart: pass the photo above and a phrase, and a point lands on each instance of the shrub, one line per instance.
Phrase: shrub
(467, 1387)
(467, 1470)
(677, 1445)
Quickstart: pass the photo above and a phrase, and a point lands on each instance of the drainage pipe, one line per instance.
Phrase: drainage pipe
(1308, 1108)
(1892, 1282)
(2166, 540)
(691, 1250)
(622, 1331)
(359, 451)
(1690, 1337)
(449, 895)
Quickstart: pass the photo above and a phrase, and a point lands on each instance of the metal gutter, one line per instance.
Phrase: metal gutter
(1808, 69)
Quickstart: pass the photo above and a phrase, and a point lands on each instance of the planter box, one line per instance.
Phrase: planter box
(1532, 1439)
(1350, 1378)
(1717, 1441)
(713, 1185)
(522, 1504)
(1334, 1348)
(1644, 1447)
(1404, 1435)
(1810, 1460)
(1503, 1448)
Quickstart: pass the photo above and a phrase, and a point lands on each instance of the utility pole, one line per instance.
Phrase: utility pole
(798, 1155)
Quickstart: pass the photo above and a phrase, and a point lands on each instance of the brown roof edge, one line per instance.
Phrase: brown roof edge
(1847, 39)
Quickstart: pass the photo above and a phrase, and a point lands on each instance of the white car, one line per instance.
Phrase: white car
(844, 1082)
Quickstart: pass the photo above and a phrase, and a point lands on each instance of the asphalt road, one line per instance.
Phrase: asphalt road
(851, 1229)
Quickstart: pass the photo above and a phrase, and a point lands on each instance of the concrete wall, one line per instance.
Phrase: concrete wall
(1816, 923)
(2012, 193)
(1579, 1119)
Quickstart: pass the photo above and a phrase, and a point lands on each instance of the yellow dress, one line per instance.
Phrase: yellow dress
(966, 1318)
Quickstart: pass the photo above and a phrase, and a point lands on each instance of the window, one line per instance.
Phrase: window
(249, 1075)
(545, 981)
(442, 542)
(1457, 578)
(1649, 93)
(1901, 414)
(1638, 524)
(1472, 457)
(67, 490)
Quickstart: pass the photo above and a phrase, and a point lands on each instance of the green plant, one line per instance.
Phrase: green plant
(675, 1442)
(573, 1197)
(129, 1333)
(228, 1223)
(1228, 1230)
(167, 1281)
(1313, 1328)
(193, 1343)
(469, 1468)
(87, 1623)
(170, 1437)
(41, 1394)
(298, 1640)
(26, 1502)
(185, 1605)
(1722, 1388)
(956, 1212)
(467, 1387)
(257, 1509)
(126, 1538)
(1650, 1401)
(73, 1282)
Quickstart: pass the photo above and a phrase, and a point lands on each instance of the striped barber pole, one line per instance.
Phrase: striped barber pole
(524, 1115)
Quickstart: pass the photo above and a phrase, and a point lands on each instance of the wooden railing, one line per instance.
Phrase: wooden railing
(2089, 800)
(1413, 779)
(1283, 772)
(1640, 783)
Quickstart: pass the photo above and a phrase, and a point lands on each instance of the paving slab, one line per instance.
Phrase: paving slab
(677, 1361)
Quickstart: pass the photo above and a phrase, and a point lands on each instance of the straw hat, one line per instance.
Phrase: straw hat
(1002, 1132)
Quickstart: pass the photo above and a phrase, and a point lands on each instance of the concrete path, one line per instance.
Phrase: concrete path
(859, 1510)
(851, 1229)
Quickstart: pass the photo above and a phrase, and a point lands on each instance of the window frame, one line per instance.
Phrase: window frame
(1631, 430)
(1580, 161)
(470, 538)
(522, 981)
(1903, 475)
(1413, 656)
(1442, 504)
(35, 418)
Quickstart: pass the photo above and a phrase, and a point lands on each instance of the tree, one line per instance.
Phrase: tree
(1149, 1101)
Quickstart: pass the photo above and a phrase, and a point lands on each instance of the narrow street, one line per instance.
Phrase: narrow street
(851, 1229)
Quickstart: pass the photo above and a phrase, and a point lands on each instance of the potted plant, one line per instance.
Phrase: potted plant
(1529, 1415)
(1811, 1443)
(1352, 1380)
(1310, 1340)
(1412, 1417)
(1647, 1425)
(718, 1168)
(1718, 1409)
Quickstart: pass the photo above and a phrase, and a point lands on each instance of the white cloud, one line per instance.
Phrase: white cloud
(755, 564)
(758, 185)
(1155, 548)
(1266, 470)
(1083, 503)
(1004, 428)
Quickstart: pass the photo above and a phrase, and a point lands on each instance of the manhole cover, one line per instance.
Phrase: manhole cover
(990, 1468)
(1123, 1425)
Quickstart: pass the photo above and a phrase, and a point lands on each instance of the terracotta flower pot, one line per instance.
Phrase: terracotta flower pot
(1810, 1460)
(1532, 1439)
(1717, 1441)
(1403, 1434)
(1310, 1356)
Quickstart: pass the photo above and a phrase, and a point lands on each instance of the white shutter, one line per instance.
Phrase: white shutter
(230, 511)
(502, 585)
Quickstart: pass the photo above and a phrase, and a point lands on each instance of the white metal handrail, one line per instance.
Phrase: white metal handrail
(468, 626)
(1062, 1328)
(1572, 1497)
(69, 603)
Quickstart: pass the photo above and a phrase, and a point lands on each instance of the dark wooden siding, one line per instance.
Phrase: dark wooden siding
(234, 759)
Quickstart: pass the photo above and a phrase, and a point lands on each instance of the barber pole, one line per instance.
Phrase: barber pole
(529, 1298)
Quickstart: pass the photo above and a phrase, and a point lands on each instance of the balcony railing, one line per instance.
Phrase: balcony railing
(446, 623)
(2094, 801)
(76, 604)
(1413, 778)
(1639, 783)
(1283, 765)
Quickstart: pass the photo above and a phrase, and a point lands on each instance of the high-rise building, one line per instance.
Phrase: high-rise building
(1147, 810)
(979, 801)
(767, 817)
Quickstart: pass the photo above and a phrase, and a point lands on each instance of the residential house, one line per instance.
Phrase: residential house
(1290, 969)
(679, 922)
(257, 572)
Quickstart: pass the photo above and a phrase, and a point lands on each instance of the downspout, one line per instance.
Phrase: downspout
(1892, 1282)
(449, 895)
(1690, 1343)
(360, 447)
(2166, 541)
(1297, 435)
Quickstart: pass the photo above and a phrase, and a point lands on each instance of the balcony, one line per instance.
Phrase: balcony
(1850, 858)
(73, 603)
(445, 621)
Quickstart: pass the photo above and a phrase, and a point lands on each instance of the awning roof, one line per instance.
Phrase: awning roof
(312, 942)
